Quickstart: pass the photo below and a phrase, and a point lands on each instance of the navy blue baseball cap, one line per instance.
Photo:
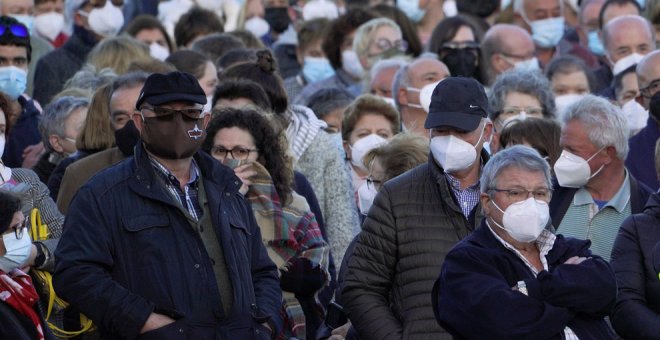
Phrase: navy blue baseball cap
(175, 86)
(457, 102)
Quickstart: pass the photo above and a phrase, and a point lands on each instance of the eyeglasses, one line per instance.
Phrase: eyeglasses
(384, 44)
(15, 29)
(163, 113)
(19, 228)
(374, 184)
(451, 46)
(238, 152)
(651, 90)
(520, 194)
(515, 110)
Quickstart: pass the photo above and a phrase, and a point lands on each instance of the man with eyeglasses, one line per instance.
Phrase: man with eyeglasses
(417, 217)
(640, 158)
(93, 21)
(164, 241)
(512, 278)
(505, 47)
(594, 191)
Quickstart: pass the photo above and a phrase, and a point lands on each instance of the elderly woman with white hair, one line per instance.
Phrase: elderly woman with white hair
(512, 278)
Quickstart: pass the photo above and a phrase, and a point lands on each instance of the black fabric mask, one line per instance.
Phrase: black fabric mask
(126, 138)
(173, 137)
(461, 62)
(654, 107)
(277, 18)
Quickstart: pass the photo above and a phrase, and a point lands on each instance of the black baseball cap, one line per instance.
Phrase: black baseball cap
(171, 87)
(458, 102)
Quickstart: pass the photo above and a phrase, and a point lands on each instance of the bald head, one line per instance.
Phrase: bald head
(648, 71)
(626, 35)
(503, 45)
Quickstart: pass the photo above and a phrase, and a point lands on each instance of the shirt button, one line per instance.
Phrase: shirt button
(227, 194)
(236, 183)
(196, 265)
(180, 330)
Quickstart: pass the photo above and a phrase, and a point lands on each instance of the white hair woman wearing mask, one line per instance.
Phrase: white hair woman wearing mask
(368, 122)
(513, 277)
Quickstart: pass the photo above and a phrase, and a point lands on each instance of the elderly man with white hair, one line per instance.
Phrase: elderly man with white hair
(595, 192)
(512, 278)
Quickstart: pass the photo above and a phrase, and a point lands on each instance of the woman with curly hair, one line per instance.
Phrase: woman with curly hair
(315, 154)
(245, 140)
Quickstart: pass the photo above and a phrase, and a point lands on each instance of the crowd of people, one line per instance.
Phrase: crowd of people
(329, 169)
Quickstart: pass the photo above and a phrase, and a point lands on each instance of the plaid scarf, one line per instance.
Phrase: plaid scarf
(287, 231)
(18, 292)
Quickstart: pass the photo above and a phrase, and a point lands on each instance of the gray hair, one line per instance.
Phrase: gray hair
(52, 121)
(532, 83)
(518, 7)
(362, 37)
(517, 156)
(385, 64)
(604, 123)
(89, 78)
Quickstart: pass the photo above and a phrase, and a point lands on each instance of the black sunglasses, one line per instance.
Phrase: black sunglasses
(15, 29)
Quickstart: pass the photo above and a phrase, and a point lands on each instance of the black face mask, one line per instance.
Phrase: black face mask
(126, 138)
(277, 18)
(654, 107)
(174, 137)
(461, 62)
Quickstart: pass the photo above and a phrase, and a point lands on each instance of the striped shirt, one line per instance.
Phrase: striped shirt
(544, 242)
(467, 198)
(186, 198)
(583, 219)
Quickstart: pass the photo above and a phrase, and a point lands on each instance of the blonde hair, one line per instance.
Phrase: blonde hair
(363, 37)
(118, 53)
(97, 133)
(403, 152)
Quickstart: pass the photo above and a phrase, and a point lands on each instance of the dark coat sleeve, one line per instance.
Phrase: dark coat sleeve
(82, 273)
(365, 295)
(265, 277)
(475, 301)
(631, 317)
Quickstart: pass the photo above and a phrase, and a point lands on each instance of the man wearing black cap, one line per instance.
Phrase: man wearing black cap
(417, 217)
(163, 245)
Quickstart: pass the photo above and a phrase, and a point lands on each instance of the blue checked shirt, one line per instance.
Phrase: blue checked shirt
(467, 198)
(186, 198)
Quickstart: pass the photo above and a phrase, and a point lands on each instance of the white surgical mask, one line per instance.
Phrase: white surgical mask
(366, 197)
(453, 153)
(2, 144)
(158, 51)
(573, 171)
(49, 25)
(562, 102)
(18, 251)
(425, 94)
(362, 146)
(626, 62)
(411, 9)
(547, 33)
(351, 64)
(207, 106)
(257, 26)
(636, 115)
(106, 21)
(525, 220)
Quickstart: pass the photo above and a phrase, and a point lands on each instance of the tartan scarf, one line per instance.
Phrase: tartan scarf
(18, 292)
(287, 231)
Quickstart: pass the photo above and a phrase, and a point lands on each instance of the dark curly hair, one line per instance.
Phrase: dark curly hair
(339, 29)
(272, 153)
(263, 72)
(9, 205)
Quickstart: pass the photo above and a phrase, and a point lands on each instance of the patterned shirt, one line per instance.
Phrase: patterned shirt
(467, 198)
(544, 242)
(187, 198)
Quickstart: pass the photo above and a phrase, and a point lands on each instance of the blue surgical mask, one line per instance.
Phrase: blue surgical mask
(13, 81)
(546, 33)
(315, 69)
(642, 3)
(26, 20)
(595, 45)
(412, 10)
